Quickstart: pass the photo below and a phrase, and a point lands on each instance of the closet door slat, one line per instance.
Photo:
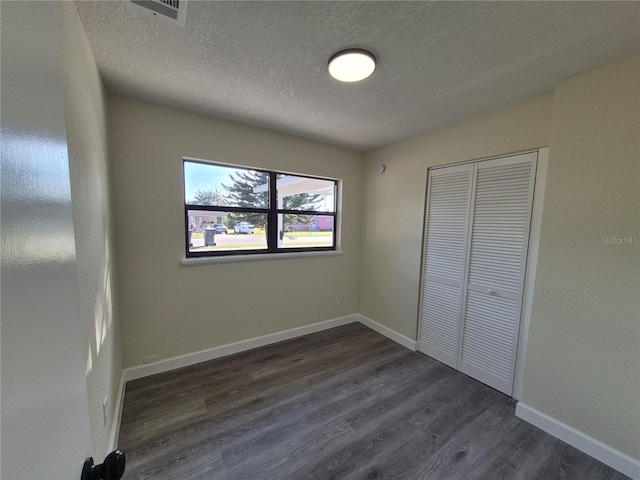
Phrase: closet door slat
(445, 248)
(499, 239)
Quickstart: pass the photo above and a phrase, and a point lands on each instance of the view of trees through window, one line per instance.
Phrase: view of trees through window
(233, 209)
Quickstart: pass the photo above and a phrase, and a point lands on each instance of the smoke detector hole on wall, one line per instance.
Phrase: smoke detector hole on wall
(172, 10)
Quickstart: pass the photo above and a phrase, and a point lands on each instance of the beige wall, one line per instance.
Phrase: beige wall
(168, 309)
(85, 115)
(394, 201)
(583, 363)
(583, 357)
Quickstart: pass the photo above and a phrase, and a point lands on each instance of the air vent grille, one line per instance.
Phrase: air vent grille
(171, 9)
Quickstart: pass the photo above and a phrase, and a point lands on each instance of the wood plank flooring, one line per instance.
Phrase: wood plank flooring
(345, 403)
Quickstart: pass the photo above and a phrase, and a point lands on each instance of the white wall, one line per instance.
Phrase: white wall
(583, 363)
(168, 309)
(45, 422)
(85, 112)
(394, 201)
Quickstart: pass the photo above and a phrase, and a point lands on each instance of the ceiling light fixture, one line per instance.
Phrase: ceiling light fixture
(352, 65)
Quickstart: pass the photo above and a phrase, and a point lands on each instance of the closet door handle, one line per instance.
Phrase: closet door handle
(492, 292)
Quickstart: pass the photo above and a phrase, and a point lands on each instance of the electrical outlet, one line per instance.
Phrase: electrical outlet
(338, 299)
(105, 410)
(151, 358)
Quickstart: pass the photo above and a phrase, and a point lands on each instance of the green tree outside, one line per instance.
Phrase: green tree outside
(241, 194)
(209, 197)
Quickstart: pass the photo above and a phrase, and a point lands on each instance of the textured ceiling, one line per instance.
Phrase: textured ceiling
(263, 63)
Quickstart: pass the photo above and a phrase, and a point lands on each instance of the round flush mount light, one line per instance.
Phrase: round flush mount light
(352, 65)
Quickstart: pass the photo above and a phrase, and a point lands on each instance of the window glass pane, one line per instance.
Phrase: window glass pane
(220, 186)
(305, 231)
(223, 231)
(303, 193)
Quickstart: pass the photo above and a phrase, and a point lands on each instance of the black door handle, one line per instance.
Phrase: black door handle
(111, 469)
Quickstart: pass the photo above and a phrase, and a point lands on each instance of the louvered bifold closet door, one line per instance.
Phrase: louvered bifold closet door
(500, 221)
(447, 218)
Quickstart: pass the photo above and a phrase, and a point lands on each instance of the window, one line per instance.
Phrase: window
(231, 210)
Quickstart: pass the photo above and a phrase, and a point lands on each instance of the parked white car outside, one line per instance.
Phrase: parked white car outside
(244, 227)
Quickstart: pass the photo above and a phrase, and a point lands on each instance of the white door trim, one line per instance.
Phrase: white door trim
(530, 271)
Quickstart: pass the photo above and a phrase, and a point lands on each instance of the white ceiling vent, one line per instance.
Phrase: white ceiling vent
(173, 10)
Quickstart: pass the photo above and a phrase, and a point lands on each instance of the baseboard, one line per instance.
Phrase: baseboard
(134, 373)
(117, 416)
(387, 332)
(589, 445)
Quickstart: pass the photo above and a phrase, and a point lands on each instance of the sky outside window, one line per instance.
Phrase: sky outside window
(200, 177)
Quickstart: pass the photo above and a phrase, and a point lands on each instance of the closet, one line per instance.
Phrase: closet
(477, 223)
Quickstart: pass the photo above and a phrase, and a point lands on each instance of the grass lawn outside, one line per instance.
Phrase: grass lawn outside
(308, 234)
(231, 246)
(261, 231)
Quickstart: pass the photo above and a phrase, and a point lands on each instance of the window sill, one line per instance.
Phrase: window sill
(194, 262)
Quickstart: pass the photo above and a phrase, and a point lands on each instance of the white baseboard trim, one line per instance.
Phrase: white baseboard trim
(168, 364)
(589, 445)
(117, 416)
(597, 449)
(141, 371)
(134, 373)
(387, 332)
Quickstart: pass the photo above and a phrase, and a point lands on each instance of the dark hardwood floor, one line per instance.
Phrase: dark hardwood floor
(345, 403)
